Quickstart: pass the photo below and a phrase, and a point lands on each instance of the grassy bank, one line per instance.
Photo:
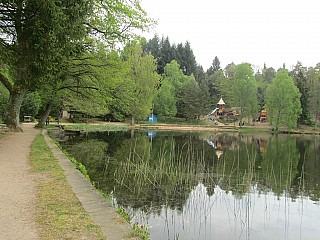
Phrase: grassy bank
(95, 127)
(59, 213)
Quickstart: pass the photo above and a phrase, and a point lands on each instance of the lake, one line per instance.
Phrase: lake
(208, 185)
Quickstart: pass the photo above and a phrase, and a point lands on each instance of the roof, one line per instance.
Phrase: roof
(221, 102)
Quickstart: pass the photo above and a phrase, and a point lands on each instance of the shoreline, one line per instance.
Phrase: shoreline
(258, 127)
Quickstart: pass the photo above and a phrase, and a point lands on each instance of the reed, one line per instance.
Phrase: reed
(161, 176)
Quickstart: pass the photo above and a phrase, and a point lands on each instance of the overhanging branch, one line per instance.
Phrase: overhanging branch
(70, 87)
(5, 81)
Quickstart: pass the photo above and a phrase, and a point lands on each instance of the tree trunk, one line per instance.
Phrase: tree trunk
(278, 121)
(12, 114)
(132, 120)
(45, 116)
(132, 133)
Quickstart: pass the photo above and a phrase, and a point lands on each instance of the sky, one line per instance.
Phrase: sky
(254, 31)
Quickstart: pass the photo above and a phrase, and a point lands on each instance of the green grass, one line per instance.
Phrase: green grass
(138, 230)
(253, 130)
(59, 213)
(181, 121)
(95, 128)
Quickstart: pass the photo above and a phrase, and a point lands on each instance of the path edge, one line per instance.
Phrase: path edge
(102, 213)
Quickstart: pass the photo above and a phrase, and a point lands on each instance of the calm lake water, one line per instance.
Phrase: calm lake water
(208, 185)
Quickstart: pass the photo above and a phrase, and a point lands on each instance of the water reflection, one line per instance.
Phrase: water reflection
(209, 186)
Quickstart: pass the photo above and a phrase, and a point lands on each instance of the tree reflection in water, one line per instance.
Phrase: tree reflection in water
(199, 185)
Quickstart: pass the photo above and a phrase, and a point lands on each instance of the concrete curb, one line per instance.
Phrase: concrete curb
(113, 226)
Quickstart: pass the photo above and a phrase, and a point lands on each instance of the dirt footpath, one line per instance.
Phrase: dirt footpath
(18, 190)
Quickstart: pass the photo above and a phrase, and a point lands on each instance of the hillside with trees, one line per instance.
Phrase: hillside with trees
(66, 56)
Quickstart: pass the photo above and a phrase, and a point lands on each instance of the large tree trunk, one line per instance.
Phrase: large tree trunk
(44, 116)
(12, 115)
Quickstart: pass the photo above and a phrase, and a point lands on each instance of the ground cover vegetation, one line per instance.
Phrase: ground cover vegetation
(59, 215)
(72, 61)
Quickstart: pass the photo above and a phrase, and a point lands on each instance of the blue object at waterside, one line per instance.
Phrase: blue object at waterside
(152, 118)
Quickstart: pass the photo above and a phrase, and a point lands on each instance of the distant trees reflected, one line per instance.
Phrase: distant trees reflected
(150, 172)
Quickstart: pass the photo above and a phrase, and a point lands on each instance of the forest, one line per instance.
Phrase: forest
(86, 57)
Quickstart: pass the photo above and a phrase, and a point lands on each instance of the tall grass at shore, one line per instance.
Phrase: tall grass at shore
(190, 166)
(150, 176)
(176, 170)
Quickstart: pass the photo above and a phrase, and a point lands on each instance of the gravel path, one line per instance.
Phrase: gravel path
(18, 190)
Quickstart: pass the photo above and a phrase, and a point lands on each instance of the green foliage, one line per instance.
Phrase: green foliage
(281, 167)
(217, 84)
(283, 101)
(42, 43)
(215, 66)
(47, 32)
(165, 100)
(186, 59)
(37, 38)
(191, 101)
(31, 104)
(204, 98)
(4, 98)
(122, 212)
(261, 92)
(224, 82)
(314, 76)
(142, 231)
(181, 94)
(142, 80)
(107, 88)
(117, 21)
(98, 149)
(175, 76)
(165, 53)
(244, 91)
(299, 74)
(268, 74)
(95, 128)
(93, 105)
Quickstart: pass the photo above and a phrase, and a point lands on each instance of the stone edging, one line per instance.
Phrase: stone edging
(113, 226)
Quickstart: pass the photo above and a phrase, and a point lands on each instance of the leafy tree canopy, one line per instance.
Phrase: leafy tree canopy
(165, 100)
(244, 90)
(283, 101)
(142, 80)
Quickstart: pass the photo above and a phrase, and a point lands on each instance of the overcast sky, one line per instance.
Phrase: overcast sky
(255, 31)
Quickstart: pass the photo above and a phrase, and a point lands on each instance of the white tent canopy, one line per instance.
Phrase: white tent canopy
(221, 102)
